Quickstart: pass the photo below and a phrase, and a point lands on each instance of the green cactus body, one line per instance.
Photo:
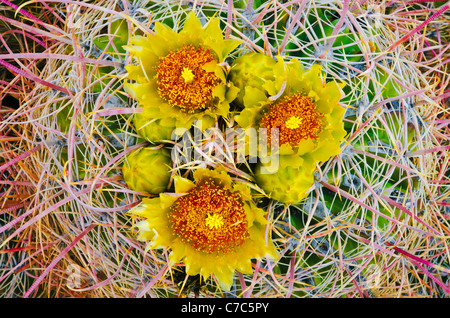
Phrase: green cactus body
(111, 46)
(342, 42)
(314, 263)
(147, 170)
(253, 31)
(79, 164)
(84, 165)
(379, 141)
(241, 4)
(380, 85)
(119, 35)
(382, 141)
(63, 116)
(172, 13)
(390, 88)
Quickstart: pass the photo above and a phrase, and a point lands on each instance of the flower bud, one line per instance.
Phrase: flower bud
(250, 71)
(148, 170)
(154, 130)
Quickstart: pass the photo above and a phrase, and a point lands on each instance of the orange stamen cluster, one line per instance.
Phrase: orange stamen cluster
(182, 81)
(211, 218)
(296, 118)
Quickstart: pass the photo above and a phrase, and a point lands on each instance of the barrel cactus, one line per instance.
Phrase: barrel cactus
(92, 204)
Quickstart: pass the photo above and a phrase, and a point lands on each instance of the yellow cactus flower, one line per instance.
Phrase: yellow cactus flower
(302, 109)
(182, 75)
(210, 224)
(296, 103)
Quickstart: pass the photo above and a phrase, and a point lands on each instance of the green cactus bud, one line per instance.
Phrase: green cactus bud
(288, 184)
(147, 170)
(251, 71)
(154, 130)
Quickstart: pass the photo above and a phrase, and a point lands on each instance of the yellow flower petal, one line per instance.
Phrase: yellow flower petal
(183, 185)
(219, 263)
(136, 73)
(254, 97)
(167, 200)
(138, 91)
(192, 25)
(218, 174)
(145, 233)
